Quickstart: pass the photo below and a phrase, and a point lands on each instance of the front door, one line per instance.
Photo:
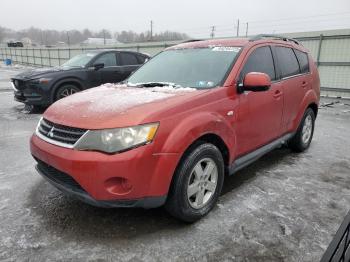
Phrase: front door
(259, 119)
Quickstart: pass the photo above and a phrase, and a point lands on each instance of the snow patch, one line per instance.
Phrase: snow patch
(114, 97)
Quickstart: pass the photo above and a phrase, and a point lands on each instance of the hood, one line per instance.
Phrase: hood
(39, 72)
(111, 106)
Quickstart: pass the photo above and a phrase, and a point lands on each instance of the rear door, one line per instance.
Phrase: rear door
(293, 70)
(260, 113)
(130, 62)
(111, 72)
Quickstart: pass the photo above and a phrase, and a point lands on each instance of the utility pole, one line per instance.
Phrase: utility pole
(68, 42)
(42, 41)
(246, 30)
(212, 34)
(151, 30)
(237, 27)
(104, 37)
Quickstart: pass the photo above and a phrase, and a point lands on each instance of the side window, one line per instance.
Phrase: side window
(109, 59)
(260, 61)
(303, 61)
(287, 61)
(129, 59)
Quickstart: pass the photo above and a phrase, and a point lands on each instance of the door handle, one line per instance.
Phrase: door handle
(304, 84)
(277, 94)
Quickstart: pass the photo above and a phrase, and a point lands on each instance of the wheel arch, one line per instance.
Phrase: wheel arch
(314, 108)
(75, 81)
(310, 101)
(211, 138)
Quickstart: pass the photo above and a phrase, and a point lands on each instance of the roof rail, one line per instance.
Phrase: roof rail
(279, 37)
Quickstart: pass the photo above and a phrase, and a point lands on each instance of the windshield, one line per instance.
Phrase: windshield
(79, 60)
(195, 67)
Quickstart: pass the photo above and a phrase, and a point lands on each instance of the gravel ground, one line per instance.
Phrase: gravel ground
(285, 207)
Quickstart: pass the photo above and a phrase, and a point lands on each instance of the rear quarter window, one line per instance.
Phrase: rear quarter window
(142, 59)
(129, 59)
(287, 61)
(303, 61)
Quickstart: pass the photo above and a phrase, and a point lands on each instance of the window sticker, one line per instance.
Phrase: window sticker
(226, 49)
(205, 83)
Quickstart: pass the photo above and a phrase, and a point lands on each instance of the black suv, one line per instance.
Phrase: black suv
(42, 87)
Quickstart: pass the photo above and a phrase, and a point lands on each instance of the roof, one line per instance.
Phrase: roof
(99, 51)
(239, 42)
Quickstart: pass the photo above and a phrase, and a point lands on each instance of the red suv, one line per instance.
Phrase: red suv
(192, 114)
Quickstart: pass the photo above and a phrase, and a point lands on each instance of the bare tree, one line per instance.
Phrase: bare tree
(52, 37)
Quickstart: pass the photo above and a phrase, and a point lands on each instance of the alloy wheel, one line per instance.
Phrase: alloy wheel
(202, 183)
(67, 92)
(307, 129)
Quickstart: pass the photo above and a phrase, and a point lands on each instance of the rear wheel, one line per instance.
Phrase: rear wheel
(197, 183)
(66, 90)
(303, 137)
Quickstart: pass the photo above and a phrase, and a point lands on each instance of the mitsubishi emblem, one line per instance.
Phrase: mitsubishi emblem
(50, 133)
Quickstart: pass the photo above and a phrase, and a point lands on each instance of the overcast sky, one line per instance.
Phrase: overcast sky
(192, 17)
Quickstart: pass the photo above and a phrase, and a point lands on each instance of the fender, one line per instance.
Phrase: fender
(309, 98)
(193, 127)
(186, 133)
(64, 80)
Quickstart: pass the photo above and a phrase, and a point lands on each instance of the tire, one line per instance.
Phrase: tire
(65, 90)
(303, 137)
(192, 177)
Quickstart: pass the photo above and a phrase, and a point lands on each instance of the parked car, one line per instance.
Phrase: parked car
(14, 44)
(42, 87)
(191, 115)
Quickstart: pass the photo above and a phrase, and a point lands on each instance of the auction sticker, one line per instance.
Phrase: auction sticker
(226, 49)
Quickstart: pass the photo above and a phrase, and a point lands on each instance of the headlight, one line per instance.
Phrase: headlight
(118, 139)
(40, 81)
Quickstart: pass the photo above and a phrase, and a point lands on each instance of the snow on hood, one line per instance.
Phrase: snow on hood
(116, 98)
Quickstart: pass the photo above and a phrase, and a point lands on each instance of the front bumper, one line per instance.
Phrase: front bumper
(32, 95)
(82, 195)
(95, 178)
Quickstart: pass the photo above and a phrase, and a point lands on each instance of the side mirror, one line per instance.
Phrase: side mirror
(99, 66)
(256, 82)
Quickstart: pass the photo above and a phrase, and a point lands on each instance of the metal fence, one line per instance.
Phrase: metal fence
(330, 51)
(43, 57)
(339, 248)
(332, 56)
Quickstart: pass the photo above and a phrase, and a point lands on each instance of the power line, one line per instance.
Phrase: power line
(297, 18)
(270, 21)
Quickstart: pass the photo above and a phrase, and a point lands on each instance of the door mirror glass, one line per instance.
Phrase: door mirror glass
(256, 82)
(98, 66)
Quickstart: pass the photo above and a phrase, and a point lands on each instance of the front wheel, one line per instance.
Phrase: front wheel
(197, 183)
(302, 139)
(66, 90)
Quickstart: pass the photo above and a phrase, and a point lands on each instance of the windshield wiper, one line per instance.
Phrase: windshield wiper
(154, 84)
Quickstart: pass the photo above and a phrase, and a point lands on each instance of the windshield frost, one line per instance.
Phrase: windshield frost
(79, 60)
(196, 67)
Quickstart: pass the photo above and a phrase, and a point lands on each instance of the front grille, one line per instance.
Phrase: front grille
(63, 134)
(19, 84)
(58, 176)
